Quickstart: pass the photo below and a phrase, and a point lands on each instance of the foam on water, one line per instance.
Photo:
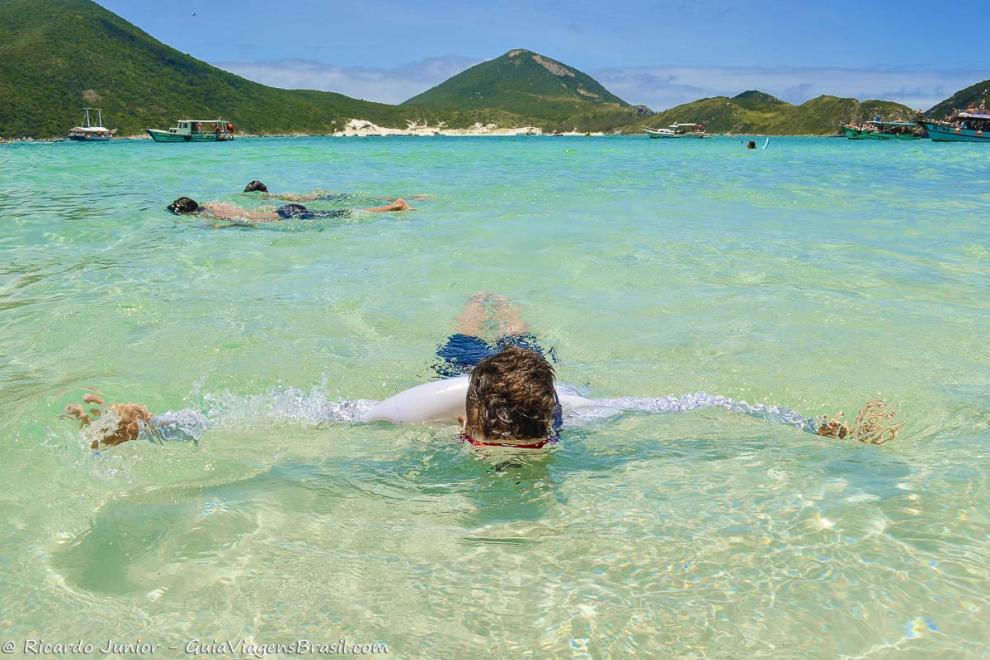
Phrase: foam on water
(291, 405)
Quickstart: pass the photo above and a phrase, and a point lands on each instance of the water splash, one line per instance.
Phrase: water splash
(606, 408)
(313, 407)
(282, 405)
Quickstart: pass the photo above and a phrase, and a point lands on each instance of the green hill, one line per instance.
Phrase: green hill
(757, 112)
(972, 96)
(757, 100)
(59, 55)
(532, 86)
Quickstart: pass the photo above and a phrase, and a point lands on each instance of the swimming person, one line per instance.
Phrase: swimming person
(751, 144)
(319, 195)
(509, 397)
(259, 187)
(234, 213)
(503, 395)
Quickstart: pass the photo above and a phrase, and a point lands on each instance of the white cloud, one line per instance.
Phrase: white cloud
(384, 85)
(665, 87)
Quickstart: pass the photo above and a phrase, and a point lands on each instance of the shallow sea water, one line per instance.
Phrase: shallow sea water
(814, 274)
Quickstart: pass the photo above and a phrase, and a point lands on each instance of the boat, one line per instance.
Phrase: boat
(678, 130)
(972, 125)
(877, 129)
(195, 130)
(89, 132)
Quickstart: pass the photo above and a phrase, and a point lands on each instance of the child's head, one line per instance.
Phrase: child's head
(255, 186)
(183, 205)
(511, 397)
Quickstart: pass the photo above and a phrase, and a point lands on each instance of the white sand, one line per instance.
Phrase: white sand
(365, 128)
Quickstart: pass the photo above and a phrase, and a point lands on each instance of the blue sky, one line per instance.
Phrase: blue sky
(657, 53)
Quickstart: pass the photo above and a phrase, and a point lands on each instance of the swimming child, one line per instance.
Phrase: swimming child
(319, 195)
(234, 213)
(511, 382)
(258, 186)
(501, 392)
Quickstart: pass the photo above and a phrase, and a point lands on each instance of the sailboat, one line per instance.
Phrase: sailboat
(89, 132)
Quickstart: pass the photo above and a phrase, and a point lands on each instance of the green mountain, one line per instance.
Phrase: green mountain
(757, 112)
(534, 87)
(972, 96)
(756, 100)
(59, 55)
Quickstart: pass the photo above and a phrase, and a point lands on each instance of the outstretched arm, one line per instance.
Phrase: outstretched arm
(874, 425)
(398, 205)
(439, 401)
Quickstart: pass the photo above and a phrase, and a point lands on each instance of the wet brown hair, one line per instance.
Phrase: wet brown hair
(183, 205)
(511, 396)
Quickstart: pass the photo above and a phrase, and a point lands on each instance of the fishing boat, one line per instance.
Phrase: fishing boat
(877, 129)
(90, 132)
(678, 130)
(972, 125)
(195, 130)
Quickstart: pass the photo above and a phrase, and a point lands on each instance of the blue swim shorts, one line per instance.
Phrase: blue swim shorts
(460, 353)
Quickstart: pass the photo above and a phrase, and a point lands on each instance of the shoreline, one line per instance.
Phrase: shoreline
(451, 133)
(361, 128)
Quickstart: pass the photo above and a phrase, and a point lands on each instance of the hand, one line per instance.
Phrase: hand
(108, 425)
(834, 428)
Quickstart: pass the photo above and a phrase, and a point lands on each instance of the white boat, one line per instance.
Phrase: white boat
(678, 130)
(89, 132)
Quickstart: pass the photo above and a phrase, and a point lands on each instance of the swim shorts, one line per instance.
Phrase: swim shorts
(460, 353)
(298, 211)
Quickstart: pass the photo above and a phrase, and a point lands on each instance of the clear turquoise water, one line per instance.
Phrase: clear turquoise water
(815, 274)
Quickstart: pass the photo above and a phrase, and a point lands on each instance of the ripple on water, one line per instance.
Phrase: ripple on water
(784, 280)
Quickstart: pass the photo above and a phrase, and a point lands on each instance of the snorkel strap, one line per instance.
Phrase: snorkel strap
(478, 443)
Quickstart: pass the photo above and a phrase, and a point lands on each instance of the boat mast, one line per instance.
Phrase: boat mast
(87, 117)
(99, 113)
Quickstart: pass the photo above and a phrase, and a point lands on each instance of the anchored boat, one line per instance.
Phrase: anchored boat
(677, 130)
(195, 130)
(90, 132)
(973, 125)
(876, 129)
